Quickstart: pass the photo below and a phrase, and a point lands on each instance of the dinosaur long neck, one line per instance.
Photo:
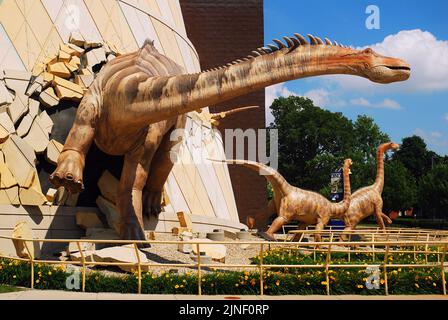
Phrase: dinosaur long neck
(340, 208)
(379, 181)
(171, 96)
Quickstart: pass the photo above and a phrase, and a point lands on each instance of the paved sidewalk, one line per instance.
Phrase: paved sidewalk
(64, 295)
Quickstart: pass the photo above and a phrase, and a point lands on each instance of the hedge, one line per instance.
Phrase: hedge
(280, 281)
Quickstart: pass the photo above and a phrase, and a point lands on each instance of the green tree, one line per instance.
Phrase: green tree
(312, 141)
(368, 137)
(415, 156)
(433, 192)
(400, 188)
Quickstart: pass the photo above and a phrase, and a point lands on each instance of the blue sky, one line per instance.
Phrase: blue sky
(416, 31)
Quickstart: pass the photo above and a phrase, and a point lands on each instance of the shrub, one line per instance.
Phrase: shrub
(277, 281)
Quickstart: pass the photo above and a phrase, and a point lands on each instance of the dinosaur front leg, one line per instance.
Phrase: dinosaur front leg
(276, 225)
(301, 226)
(129, 200)
(71, 161)
(321, 223)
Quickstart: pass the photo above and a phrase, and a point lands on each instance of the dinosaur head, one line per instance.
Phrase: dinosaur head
(388, 146)
(381, 69)
(348, 163)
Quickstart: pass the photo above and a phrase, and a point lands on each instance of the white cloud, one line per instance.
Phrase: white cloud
(435, 139)
(277, 90)
(385, 104)
(323, 98)
(390, 104)
(320, 97)
(272, 93)
(361, 102)
(436, 135)
(427, 56)
(446, 116)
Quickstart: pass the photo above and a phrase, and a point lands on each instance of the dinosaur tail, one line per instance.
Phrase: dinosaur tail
(338, 209)
(276, 179)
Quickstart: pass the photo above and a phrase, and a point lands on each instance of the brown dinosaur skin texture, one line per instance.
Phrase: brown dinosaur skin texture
(367, 201)
(292, 203)
(138, 98)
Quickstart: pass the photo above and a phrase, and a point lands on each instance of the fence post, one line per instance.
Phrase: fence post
(373, 247)
(426, 248)
(442, 263)
(349, 253)
(386, 261)
(415, 252)
(83, 266)
(261, 269)
(31, 263)
(327, 262)
(139, 268)
(199, 270)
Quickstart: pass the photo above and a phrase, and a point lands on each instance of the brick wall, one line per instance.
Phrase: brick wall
(223, 31)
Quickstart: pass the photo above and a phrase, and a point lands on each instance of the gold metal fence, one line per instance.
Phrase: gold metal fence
(429, 243)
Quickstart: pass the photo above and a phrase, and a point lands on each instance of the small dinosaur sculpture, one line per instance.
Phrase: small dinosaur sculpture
(137, 99)
(292, 203)
(367, 201)
(214, 118)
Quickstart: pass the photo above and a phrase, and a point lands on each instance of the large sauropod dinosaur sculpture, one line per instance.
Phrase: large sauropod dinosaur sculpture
(292, 203)
(137, 99)
(367, 201)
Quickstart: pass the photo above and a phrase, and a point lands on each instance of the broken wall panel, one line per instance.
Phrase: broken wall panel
(61, 76)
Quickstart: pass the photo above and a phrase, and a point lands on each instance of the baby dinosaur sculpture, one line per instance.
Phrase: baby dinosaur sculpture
(367, 201)
(137, 99)
(292, 203)
(215, 118)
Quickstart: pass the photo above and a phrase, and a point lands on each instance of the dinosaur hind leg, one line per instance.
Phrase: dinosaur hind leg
(161, 166)
(158, 174)
(71, 161)
(379, 214)
(386, 218)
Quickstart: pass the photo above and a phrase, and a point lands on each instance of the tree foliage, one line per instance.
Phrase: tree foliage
(433, 192)
(415, 156)
(400, 188)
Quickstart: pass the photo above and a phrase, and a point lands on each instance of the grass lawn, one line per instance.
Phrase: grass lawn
(6, 289)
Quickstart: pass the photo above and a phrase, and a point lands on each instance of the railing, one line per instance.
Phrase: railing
(376, 243)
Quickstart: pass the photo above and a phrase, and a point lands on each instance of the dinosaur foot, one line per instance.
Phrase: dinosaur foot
(68, 173)
(133, 231)
(152, 203)
(266, 236)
